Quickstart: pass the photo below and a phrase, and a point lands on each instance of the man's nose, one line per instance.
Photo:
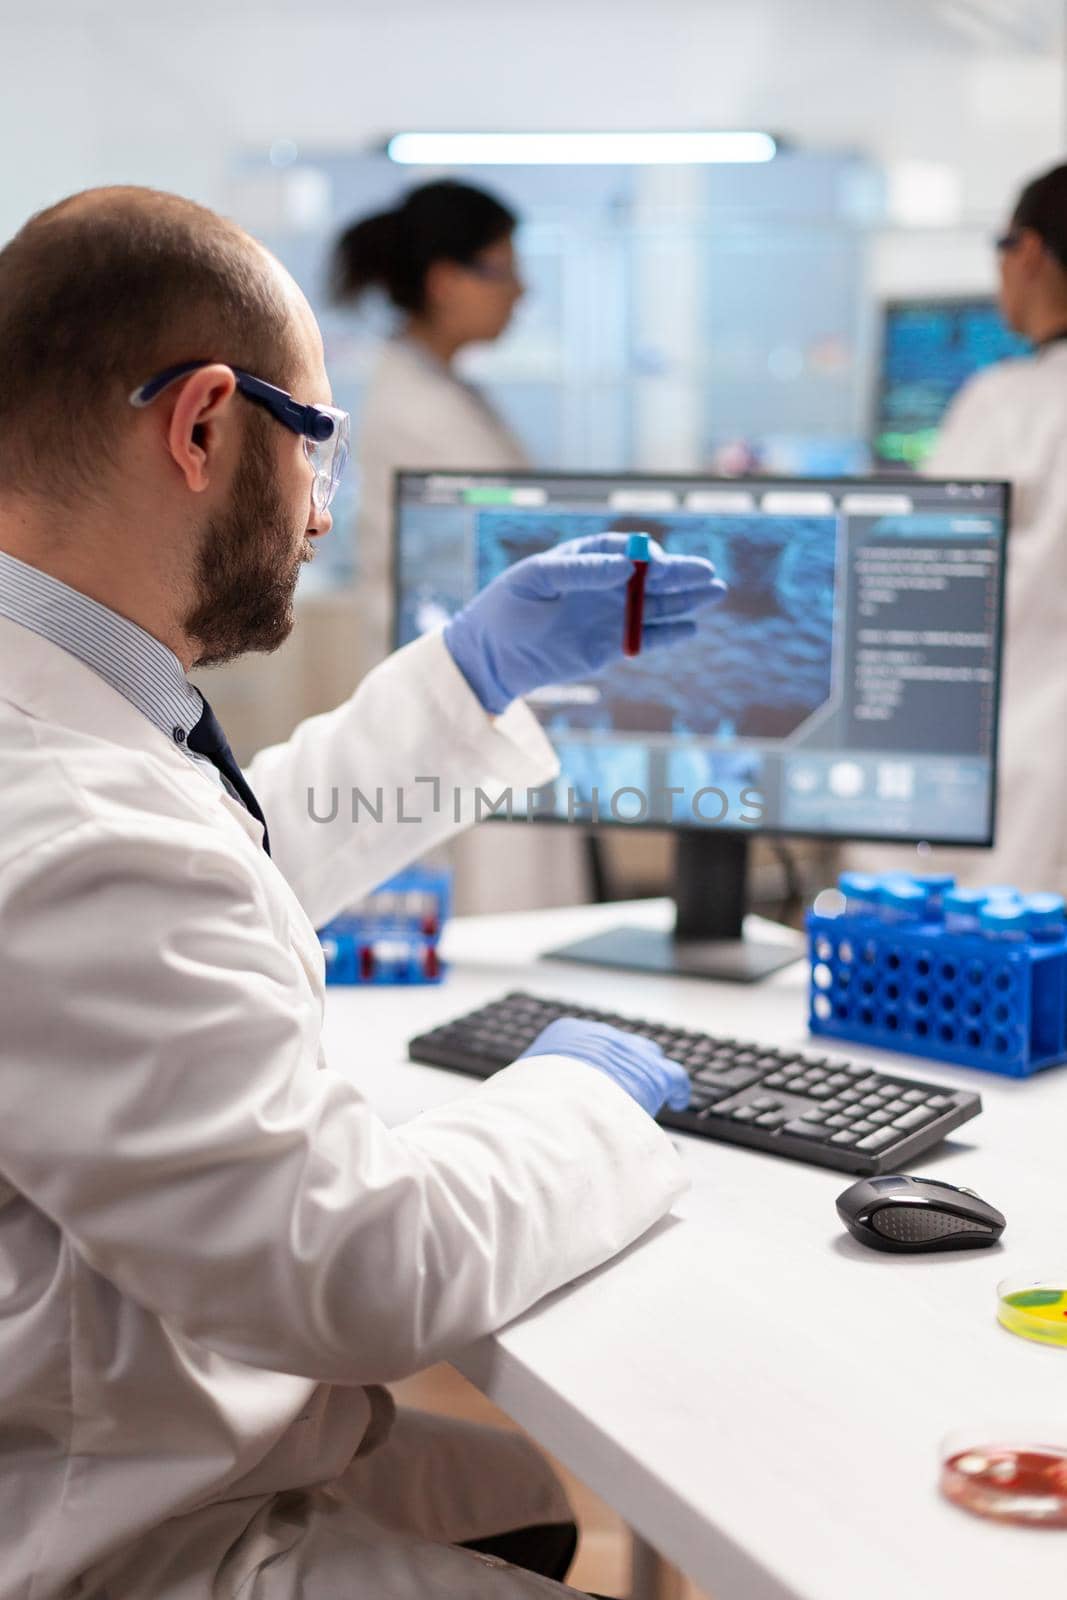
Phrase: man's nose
(321, 523)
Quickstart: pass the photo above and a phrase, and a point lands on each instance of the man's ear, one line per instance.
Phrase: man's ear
(1032, 250)
(200, 418)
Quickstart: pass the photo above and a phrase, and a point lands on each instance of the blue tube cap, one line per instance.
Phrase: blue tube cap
(934, 882)
(638, 547)
(1045, 913)
(901, 894)
(857, 885)
(968, 902)
(1003, 916)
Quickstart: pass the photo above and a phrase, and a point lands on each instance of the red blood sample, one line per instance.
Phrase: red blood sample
(366, 962)
(1012, 1483)
(431, 966)
(637, 550)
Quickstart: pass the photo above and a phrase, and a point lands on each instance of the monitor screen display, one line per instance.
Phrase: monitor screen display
(929, 350)
(847, 685)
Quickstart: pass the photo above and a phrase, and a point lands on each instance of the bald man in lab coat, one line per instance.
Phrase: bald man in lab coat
(213, 1254)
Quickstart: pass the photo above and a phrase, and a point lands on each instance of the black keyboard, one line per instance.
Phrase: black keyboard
(799, 1103)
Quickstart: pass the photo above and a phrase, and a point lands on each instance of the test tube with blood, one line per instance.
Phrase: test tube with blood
(637, 551)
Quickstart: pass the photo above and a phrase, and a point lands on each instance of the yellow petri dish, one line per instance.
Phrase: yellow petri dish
(1034, 1309)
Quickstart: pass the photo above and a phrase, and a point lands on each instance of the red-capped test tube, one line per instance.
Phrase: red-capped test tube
(637, 551)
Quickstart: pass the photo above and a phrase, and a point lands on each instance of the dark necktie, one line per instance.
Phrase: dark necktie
(208, 739)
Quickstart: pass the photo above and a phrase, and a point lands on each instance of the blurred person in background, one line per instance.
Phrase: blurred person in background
(1010, 421)
(445, 259)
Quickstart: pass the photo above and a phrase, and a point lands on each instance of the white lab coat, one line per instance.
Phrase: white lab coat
(418, 414)
(209, 1245)
(1011, 422)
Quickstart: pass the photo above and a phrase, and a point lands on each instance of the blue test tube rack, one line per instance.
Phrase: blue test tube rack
(981, 989)
(391, 937)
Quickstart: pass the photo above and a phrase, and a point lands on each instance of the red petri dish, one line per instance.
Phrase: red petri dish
(1011, 1482)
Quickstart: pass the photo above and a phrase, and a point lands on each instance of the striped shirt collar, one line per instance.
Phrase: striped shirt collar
(136, 665)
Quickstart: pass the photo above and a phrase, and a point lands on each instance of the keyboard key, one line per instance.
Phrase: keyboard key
(838, 1122)
(819, 1091)
(766, 1102)
(839, 1080)
(914, 1097)
(849, 1097)
(888, 1091)
(915, 1118)
(699, 1097)
(829, 1107)
(776, 1080)
(867, 1084)
(860, 1128)
(879, 1118)
(768, 1063)
(846, 1136)
(879, 1140)
(772, 1119)
(804, 1129)
(733, 1078)
(797, 1085)
(939, 1102)
(745, 1114)
(871, 1102)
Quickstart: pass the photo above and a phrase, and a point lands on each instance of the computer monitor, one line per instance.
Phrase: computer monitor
(845, 688)
(929, 349)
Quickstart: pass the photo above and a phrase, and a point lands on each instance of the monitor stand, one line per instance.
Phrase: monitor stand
(708, 941)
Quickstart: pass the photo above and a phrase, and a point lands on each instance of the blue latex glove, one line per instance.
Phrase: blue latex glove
(635, 1064)
(559, 615)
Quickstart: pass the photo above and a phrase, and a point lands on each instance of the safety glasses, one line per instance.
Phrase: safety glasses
(324, 429)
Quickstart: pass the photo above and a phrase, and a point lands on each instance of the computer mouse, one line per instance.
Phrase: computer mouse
(911, 1214)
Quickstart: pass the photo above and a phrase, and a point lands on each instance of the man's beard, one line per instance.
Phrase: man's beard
(246, 569)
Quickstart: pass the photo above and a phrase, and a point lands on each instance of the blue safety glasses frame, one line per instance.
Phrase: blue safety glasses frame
(324, 429)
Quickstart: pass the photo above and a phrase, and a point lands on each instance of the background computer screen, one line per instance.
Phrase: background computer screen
(929, 349)
(847, 685)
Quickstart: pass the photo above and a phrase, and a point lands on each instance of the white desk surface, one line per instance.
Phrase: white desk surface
(758, 1395)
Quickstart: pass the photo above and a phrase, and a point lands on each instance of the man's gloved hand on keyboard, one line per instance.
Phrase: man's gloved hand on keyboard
(559, 615)
(635, 1064)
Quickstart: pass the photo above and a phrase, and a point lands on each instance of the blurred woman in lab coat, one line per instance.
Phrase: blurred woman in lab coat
(445, 259)
(1010, 421)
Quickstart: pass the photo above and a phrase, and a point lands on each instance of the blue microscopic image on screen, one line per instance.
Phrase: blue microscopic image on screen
(436, 569)
(716, 785)
(760, 662)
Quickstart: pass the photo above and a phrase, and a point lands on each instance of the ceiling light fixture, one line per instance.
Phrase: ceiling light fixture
(580, 149)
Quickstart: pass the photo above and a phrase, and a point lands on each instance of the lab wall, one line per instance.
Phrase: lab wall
(123, 91)
(718, 311)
